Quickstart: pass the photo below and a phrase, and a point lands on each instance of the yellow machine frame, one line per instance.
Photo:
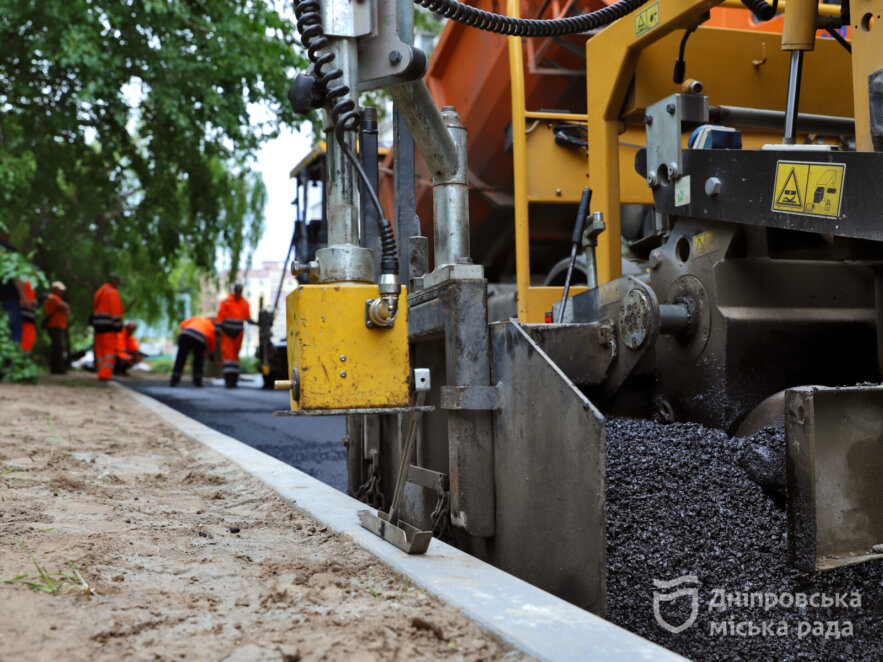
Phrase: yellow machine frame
(626, 73)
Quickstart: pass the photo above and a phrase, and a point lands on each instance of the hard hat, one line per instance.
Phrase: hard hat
(131, 325)
(58, 285)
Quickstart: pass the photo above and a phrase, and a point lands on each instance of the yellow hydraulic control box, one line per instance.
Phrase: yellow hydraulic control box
(335, 360)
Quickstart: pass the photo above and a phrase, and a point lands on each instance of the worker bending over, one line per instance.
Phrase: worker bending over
(28, 319)
(55, 312)
(197, 336)
(232, 317)
(107, 320)
(128, 349)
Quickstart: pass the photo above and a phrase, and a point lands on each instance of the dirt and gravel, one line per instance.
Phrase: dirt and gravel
(154, 547)
(681, 502)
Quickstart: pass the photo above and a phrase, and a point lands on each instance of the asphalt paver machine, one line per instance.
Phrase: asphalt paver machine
(759, 169)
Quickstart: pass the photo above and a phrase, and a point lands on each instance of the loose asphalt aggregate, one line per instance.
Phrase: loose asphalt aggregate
(680, 503)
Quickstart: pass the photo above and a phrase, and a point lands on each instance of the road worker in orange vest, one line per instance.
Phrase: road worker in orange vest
(197, 337)
(28, 319)
(128, 349)
(55, 312)
(107, 320)
(233, 314)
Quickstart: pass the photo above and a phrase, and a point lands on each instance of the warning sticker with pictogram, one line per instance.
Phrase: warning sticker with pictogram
(646, 19)
(814, 189)
(703, 244)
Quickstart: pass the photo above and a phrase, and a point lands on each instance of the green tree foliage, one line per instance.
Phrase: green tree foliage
(125, 137)
(14, 365)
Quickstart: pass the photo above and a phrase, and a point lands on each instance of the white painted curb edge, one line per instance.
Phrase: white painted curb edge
(524, 616)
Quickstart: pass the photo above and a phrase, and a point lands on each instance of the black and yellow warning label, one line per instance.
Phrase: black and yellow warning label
(703, 244)
(646, 19)
(813, 189)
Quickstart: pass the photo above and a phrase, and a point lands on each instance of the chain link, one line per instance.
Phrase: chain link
(369, 492)
(441, 518)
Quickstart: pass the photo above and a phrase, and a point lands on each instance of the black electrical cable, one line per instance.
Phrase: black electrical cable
(529, 27)
(839, 39)
(344, 115)
(681, 63)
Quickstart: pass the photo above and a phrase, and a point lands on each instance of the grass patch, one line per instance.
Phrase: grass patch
(162, 365)
(364, 583)
(10, 469)
(249, 365)
(52, 583)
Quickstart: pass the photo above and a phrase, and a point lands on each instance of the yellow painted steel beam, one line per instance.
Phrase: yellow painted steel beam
(519, 161)
(744, 68)
(566, 117)
(557, 168)
(867, 58)
(824, 10)
(611, 57)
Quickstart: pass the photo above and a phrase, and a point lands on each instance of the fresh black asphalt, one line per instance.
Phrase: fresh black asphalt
(311, 444)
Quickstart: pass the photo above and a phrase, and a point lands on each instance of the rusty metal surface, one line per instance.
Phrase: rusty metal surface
(764, 302)
(549, 474)
(834, 463)
(627, 313)
(449, 334)
(582, 351)
(476, 398)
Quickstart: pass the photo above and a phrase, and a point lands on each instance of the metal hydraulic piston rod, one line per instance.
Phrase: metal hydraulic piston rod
(798, 35)
(441, 138)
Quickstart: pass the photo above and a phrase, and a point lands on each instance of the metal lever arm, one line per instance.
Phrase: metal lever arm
(576, 241)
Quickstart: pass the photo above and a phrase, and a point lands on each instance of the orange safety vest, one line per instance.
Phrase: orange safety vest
(107, 310)
(202, 329)
(54, 313)
(126, 343)
(232, 315)
(29, 316)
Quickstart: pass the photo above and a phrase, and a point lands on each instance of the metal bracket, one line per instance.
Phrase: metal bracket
(384, 59)
(471, 398)
(664, 121)
(431, 480)
(834, 463)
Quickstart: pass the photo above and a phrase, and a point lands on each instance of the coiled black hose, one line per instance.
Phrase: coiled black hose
(553, 27)
(344, 114)
(530, 27)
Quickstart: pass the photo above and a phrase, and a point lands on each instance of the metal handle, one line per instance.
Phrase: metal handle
(421, 384)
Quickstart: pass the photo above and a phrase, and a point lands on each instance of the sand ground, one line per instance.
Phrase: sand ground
(156, 548)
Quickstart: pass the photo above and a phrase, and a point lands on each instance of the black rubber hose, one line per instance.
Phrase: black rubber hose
(763, 10)
(529, 27)
(345, 115)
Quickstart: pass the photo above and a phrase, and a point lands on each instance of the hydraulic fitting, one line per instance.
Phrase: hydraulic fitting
(382, 311)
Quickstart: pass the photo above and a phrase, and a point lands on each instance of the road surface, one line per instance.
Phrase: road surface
(311, 444)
